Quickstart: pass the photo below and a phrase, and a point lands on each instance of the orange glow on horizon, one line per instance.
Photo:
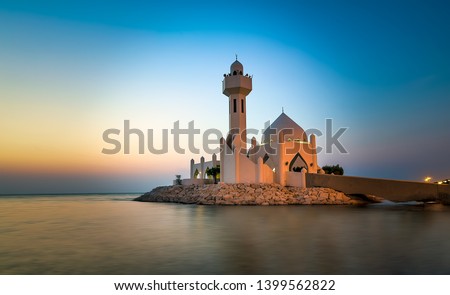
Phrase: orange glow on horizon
(57, 159)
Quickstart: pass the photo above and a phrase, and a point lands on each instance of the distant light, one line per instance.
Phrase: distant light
(427, 179)
(440, 182)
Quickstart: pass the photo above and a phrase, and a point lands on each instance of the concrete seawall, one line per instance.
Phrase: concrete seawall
(393, 190)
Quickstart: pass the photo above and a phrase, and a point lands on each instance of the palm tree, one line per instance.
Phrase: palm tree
(213, 172)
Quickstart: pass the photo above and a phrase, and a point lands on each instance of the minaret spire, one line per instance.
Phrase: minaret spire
(236, 86)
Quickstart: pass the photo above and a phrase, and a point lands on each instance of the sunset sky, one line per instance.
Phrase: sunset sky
(69, 70)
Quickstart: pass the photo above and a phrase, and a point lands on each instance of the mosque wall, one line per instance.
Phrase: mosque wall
(268, 174)
(295, 179)
(228, 167)
(247, 169)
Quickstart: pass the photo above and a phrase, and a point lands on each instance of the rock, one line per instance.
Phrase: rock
(228, 197)
(249, 198)
(323, 195)
(245, 194)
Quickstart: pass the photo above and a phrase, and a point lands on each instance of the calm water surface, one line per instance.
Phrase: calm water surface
(110, 234)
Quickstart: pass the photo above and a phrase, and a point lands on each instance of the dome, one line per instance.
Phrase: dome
(236, 66)
(292, 131)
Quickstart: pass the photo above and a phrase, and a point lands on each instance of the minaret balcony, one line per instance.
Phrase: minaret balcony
(237, 84)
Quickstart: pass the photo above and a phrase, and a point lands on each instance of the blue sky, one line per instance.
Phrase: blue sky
(70, 70)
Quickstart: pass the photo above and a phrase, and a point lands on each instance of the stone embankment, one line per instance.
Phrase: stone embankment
(246, 194)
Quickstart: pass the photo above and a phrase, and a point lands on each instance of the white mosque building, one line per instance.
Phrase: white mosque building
(283, 156)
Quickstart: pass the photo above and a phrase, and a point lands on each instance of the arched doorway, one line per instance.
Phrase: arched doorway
(299, 162)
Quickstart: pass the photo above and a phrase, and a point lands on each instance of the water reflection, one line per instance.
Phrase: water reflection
(112, 235)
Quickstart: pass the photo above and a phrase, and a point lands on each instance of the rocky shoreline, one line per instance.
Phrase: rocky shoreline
(247, 194)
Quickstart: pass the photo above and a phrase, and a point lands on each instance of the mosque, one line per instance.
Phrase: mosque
(283, 156)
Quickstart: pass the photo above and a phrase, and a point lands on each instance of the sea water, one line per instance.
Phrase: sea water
(111, 234)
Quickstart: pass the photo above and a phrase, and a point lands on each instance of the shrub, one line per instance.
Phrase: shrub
(335, 169)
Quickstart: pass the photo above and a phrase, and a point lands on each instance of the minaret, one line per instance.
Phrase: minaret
(237, 86)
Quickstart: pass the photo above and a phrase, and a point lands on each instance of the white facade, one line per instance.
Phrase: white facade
(198, 170)
(284, 150)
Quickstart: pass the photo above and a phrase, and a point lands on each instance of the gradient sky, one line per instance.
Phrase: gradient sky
(71, 69)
